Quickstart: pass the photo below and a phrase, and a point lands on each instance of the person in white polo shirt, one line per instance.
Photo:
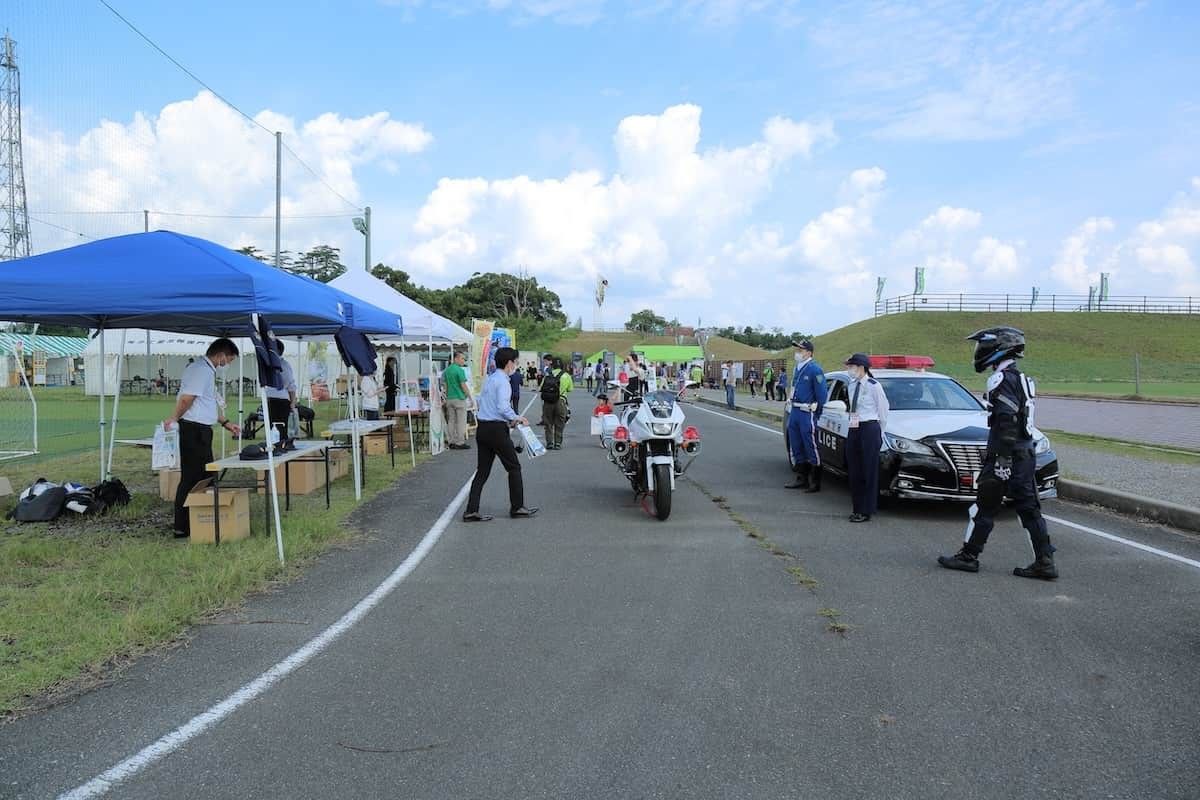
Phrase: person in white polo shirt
(197, 407)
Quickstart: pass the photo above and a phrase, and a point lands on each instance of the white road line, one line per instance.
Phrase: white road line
(197, 725)
(1136, 545)
(699, 407)
(1059, 520)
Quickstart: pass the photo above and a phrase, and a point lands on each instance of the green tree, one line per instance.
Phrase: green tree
(322, 263)
(645, 321)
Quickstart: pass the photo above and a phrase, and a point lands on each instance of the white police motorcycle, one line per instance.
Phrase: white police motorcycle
(646, 439)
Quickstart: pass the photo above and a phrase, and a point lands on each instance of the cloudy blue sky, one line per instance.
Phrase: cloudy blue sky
(734, 161)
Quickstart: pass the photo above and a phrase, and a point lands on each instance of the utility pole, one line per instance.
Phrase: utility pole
(14, 212)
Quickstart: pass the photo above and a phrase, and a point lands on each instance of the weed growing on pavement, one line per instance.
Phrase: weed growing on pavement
(80, 595)
(834, 626)
(803, 578)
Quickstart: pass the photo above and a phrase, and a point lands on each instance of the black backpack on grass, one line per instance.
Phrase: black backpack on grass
(42, 501)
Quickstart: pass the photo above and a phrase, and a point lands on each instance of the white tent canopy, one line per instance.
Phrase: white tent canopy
(171, 352)
(420, 324)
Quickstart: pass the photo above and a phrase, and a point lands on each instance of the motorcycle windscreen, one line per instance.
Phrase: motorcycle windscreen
(661, 404)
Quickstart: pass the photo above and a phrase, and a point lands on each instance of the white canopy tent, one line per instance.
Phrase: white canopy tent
(169, 352)
(422, 328)
(420, 324)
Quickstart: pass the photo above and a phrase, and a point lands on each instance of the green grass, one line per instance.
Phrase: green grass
(1068, 352)
(1165, 455)
(68, 421)
(82, 594)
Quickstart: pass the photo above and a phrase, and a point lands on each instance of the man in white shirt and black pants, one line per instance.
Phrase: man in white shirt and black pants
(197, 407)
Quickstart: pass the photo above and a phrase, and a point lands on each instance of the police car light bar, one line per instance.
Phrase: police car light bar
(901, 362)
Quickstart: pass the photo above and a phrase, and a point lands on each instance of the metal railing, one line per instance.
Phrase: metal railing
(1129, 304)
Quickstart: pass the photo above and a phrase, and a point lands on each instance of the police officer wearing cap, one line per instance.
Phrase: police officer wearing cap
(809, 393)
(868, 412)
(1009, 465)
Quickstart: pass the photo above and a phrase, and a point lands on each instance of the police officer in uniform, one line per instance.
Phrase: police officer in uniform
(1009, 466)
(809, 393)
(868, 417)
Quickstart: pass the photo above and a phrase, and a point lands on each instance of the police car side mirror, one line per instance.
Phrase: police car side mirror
(836, 405)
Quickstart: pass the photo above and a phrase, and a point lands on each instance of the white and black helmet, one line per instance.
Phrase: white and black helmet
(993, 345)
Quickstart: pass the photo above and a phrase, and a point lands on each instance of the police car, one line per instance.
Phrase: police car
(936, 433)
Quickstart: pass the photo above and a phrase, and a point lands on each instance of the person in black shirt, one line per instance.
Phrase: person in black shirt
(1009, 465)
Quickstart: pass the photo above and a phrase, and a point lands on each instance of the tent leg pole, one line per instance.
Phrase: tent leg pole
(102, 390)
(112, 434)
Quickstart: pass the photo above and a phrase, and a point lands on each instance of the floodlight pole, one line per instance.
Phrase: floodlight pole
(367, 212)
(278, 196)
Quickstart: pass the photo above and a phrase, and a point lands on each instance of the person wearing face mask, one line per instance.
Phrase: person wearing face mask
(496, 416)
(868, 417)
(809, 393)
(197, 407)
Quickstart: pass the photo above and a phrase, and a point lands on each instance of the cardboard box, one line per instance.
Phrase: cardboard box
(168, 483)
(376, 444)
(305, 477)
(339, 464)
(233, 511)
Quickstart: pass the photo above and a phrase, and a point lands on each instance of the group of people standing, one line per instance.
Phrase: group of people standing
(868, 412)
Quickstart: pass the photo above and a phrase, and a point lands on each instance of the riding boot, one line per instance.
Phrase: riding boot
(801, 479)
(814, 479)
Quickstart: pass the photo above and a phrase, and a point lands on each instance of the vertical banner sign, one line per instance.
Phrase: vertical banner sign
(879, 282)
(1033, 298)
(919, 281)
(1103, 285)
(1091, 298)
(39, 367)
(437, 422)
(481, 351)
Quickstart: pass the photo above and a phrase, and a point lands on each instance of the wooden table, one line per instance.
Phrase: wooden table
(305, 451)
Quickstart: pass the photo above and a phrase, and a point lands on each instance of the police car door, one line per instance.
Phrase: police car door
(834, 425)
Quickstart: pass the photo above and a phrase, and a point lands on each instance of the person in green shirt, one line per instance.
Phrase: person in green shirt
(768, 381)
(458, 401)
(556, 385)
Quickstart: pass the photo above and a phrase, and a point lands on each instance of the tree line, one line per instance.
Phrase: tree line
(516, 302)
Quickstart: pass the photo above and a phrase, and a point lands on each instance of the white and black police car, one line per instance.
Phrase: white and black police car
(936, 433)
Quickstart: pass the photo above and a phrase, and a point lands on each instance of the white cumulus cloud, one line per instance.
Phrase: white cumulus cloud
(651, 219)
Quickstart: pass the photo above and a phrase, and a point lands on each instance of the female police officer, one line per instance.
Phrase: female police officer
(868, 416)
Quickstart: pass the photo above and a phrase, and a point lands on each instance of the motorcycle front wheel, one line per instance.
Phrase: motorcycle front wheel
(662, 490)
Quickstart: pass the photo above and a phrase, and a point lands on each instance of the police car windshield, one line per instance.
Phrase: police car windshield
(927, 394)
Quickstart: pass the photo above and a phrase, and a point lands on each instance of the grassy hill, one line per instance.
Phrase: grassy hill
(722, 349)
(1073, 352)
(589, 342)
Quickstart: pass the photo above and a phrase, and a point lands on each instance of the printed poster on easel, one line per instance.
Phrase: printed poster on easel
(437, 423)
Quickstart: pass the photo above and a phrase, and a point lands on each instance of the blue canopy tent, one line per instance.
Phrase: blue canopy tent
(161, 280)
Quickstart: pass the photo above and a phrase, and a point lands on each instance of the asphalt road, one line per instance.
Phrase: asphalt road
(596, 652)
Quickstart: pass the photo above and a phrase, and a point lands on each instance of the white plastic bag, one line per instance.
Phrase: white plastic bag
(533, 445)
(597, 426)
(165, 453)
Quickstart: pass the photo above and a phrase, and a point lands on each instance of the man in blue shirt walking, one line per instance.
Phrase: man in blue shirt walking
(496, 415)
(809, 393)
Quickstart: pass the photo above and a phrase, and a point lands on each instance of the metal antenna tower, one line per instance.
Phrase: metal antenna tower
(14, 213)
